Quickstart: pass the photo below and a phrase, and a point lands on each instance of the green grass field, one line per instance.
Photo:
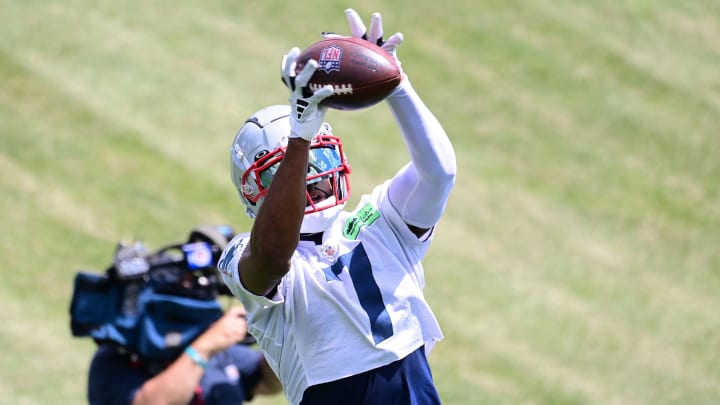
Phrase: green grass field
(578, 261)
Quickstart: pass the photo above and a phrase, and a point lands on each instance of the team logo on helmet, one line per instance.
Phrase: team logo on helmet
(330, 57)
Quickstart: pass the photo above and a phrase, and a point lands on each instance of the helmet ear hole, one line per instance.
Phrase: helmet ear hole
(260, 155)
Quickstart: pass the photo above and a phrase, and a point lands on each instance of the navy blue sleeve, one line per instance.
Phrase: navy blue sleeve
(112, 379)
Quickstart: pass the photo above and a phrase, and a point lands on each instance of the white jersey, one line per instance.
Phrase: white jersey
(352, 304)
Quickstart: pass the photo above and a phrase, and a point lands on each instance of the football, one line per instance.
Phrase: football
(362, 74)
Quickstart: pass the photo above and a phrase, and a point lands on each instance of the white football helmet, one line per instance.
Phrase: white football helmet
(257, 151)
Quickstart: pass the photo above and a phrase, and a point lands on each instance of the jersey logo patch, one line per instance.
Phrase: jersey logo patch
(224, 263)
(364, 217)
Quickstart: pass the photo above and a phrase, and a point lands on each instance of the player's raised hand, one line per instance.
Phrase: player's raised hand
(374, 34)
(307, 114)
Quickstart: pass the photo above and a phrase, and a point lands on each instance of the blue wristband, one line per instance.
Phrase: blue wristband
(196, 357)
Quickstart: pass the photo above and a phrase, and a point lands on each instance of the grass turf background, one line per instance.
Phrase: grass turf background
(577, 262)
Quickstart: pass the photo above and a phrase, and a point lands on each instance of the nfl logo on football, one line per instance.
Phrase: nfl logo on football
(330, 58)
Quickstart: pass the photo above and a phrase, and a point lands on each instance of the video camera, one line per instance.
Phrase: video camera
(183, 269)
(153, 303)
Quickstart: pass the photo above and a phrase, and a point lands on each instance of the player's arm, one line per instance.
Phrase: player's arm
(276, 231)
(420, 190)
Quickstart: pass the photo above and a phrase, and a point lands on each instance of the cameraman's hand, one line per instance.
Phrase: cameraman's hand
(306, 113)
(231, 328)
(176, 384)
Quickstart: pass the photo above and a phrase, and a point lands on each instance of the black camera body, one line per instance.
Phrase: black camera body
(153, 304)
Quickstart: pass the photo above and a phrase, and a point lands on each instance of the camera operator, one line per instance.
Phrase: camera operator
(217, 370)
(167, 340)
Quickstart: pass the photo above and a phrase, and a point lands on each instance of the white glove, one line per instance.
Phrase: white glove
(375, 35)
(306, 113)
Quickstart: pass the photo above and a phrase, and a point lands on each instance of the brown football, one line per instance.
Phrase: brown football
(362, 74)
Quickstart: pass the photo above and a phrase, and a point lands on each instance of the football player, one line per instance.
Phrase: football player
(334, 297)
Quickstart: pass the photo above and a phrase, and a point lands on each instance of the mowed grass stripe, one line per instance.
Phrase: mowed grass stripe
(651, 47)
(577, 262)
(107, 148)
(55, 201)
(582, 294)
(585, 131)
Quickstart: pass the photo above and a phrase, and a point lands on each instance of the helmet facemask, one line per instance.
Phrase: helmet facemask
(326, 162)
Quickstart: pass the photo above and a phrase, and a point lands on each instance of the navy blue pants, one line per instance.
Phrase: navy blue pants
(403, 382)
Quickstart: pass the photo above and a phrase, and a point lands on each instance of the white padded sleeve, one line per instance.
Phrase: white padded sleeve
(420, 190)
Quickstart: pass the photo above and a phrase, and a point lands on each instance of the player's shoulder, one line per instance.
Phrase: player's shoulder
(374, 199)
(377, 209)
(239, 236)
(365, 214)
(233, 249)
(237, 243)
